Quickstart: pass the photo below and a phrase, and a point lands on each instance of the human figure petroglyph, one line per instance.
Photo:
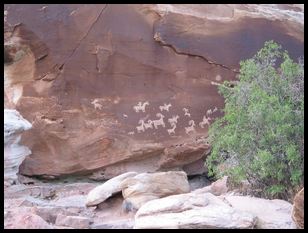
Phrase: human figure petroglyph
(173, 120)
(148, 125)
(140, 106)
(140, 127)
(209, 112)
(160, 121)
(165, 107)
(186, 112)
(190, 128)
(96, 104)
(170, 131)
(205, 121)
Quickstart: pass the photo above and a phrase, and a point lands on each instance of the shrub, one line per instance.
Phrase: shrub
(260, 138)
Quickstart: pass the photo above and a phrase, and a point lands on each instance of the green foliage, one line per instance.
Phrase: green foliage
(260, 138)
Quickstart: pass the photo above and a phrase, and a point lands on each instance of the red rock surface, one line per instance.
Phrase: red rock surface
(76, 72)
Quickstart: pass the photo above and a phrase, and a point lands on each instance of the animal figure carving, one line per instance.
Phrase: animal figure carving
(131, 133)
(140, 106)
(165, 107)
(96, 104)
(140, 127)
(215, 109)
(160, 121)
(190, 128)
(205, 121)
(173, 120)
(186, 112)
(170, 131)
(209, 112)
(148, 125)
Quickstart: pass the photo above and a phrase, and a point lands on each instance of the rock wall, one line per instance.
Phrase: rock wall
(117, 88)
(14, 153)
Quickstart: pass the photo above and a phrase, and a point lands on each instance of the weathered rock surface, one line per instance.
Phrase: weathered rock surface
(76, 222)
(14, 153)
(144, 187)
(298, 209)
(191, 211)
(110, 187)
(26, 221)
(83, 76)
(271, 214)
(67, 204)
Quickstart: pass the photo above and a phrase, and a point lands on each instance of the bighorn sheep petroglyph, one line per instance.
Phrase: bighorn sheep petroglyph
(173, 120)
(165, 107)
(205, 121)
(186, 112)
(170, 131)
(148, 125)
(190, 128)
(160, 121)
(96, 104)
(140, 106)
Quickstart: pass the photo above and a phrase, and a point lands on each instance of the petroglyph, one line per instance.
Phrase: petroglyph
(165, 107)
(190, 128)
(125, 116)
(96, 104)
(170, 131)
(186, 112)
(160, 121)
(148, 125)
(209, 112)
(215, 109)
(131, 133)
(140, 127)
(205, 121)
(140, 106)
(173, 120)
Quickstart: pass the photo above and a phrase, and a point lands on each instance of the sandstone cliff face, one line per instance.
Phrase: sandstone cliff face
(116, 88)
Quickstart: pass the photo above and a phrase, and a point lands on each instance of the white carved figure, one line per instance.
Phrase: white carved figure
(186, 112)
(205, 121)
(140, 106)
(140, 127)
(170, 131)
(148, 125)
(173, 120)
(165, 107)
(124, 115)
(131, 133)
(209, 112)
(96, 104)
(160, 121)
(190, 128)
(215, 109)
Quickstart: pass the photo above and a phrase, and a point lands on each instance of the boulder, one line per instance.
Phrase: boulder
(106, 190)
(14, 153)
(75, 222)
(271, 214)
(144, 187)
(26, 221)
(93, 87)
(217, 188)
(191, 211)
(298, 209)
